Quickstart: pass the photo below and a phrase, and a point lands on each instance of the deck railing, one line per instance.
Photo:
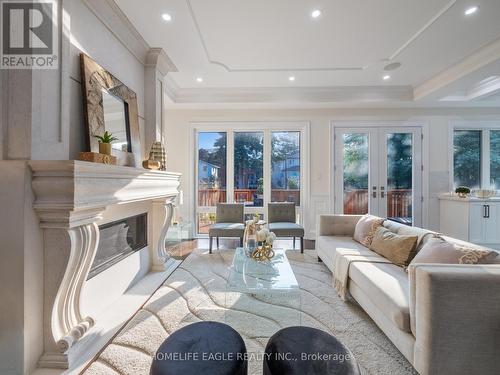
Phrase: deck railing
(210, 197)
(399, 202)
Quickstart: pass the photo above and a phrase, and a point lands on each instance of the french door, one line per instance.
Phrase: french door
(379, 171)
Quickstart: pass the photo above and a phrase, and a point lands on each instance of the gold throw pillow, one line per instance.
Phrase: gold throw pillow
(399, 249)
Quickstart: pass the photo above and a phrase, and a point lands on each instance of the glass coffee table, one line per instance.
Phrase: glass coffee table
(262, 297)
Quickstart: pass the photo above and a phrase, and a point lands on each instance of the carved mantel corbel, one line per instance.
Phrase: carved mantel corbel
(70, 240)
(70, 197)
(163, 210)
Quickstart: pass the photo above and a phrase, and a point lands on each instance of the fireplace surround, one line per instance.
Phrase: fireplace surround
(71, 199)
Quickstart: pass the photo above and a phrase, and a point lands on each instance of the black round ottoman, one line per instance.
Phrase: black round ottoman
(201, 348)
(307, 351)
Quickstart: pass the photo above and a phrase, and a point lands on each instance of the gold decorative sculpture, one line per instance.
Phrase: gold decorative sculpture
(263, 253)
(258, 241)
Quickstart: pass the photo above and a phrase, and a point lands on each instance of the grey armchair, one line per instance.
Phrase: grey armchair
(282, 222)
(229, 222)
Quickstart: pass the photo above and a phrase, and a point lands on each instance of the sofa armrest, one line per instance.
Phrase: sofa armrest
(457, 318)
(336, 225)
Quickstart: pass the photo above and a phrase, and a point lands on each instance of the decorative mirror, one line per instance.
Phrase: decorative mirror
(110, 106)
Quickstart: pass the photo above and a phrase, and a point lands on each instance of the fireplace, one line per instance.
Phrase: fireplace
(118, 240)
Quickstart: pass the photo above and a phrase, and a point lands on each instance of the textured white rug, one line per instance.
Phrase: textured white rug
(197, 291)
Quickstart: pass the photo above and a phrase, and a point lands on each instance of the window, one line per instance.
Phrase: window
(249, 168)
(495, 159)
(211, 175)
(285, 167)
(250, 164)
(476, 158)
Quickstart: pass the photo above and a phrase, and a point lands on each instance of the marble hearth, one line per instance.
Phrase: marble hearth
(72, 199)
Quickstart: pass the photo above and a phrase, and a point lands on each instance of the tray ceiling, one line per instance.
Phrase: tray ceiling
(261, 43)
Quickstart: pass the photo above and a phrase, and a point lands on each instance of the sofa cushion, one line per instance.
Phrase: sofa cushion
(388, 288)
(285, 229)
(365, 229)
(226, 230)
(326, 246)
(399, 249)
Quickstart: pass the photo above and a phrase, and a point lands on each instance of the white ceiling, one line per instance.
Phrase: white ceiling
(245, 47)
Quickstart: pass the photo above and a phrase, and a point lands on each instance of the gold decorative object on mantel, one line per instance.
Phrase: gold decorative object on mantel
(157, 157)
(151, 164)
(95, 157)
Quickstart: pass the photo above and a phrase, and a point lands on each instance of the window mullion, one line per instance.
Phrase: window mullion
(267, 170)
(230, 167)
(485, 159)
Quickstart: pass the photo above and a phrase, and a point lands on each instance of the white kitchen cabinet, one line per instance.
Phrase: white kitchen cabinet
(471, 219)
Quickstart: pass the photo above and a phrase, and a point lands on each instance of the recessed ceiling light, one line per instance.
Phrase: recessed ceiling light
(386, 77)
(166, 17)
(316, 13)
(291, 78)
(471, 10)
(199, 79)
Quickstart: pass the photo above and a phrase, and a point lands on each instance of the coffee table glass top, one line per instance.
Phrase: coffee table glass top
(249, 276)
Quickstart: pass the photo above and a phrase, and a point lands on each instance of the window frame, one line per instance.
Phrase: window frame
(238, 127)
(485, 127)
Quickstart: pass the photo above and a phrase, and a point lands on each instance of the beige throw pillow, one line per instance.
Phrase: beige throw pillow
(437, 250)
(399, 249)
(365, 229)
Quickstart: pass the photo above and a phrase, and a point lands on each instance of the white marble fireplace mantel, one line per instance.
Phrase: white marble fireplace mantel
(70, 198)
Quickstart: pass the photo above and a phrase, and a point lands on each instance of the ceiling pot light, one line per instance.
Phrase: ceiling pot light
(291, 78)
(471, 10)
(316, 13)
(199, 79)
(166, 17)
(392, 66)
(386, 77)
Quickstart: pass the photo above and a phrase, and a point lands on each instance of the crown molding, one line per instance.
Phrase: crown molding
(347, 94)
(157, 58)
(481, 58)
(113, 18)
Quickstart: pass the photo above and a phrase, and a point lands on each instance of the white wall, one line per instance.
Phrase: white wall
(90, 36)
(176, 130)
(41, 118)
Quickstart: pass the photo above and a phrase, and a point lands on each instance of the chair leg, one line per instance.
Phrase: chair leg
(217, 242)
(294, 243)
(302, 245)
(210, 244)
(241, 241)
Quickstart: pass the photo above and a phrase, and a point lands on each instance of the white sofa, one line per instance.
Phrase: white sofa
(444, 318)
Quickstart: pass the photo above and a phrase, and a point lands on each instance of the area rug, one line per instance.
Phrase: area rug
(197, 291)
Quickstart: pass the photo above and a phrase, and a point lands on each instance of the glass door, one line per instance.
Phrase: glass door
(378, 171)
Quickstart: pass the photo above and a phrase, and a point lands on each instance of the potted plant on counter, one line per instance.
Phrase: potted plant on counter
(105, 141)
(462, 191)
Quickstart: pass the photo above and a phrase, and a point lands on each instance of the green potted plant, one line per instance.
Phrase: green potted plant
(260, 188)
(462, 191)
(105, 141)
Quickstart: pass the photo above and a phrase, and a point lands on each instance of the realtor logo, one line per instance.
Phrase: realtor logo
(29, 38)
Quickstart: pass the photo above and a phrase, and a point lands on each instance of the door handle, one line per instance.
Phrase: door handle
(486, 211)
(382, 192)
(374, 194)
